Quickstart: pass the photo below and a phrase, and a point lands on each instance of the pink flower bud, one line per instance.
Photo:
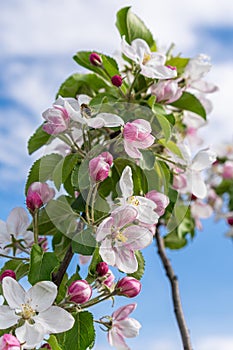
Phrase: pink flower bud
(99, 167)
(230, 221)
(9, 342)
(227, 172)
(38, 194)
(95, 59)
(57, 120)
(46, 346)
(8, 273)
(116, 80)
(102, 268)
(110, 278)
(129, 287)
(79, 291)
(43, 242)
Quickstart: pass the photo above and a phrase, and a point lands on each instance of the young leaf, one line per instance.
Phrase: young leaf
(133, 27)
(63, 169)
(38, 139)
(84, 242)
(53, 342)
(141, 266)
(42, 265)
(190, 103)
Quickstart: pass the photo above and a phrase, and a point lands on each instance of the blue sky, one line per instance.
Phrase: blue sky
(37, 41)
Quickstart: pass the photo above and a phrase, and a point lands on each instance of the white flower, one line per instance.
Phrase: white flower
(152, 64)
(78, 111)
(144, 206)
(16, 225)
(34, 309)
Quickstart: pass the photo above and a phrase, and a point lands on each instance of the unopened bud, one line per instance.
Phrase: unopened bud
(38, 194)
(8, 273)
(116, 80)
(95, 59)
(99, 167)
(102, 269)
(230, 221)
(79, 291)
(129, 287)
(9, 342)
(46, 346)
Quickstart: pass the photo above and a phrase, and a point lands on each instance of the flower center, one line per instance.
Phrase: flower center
(146, 58)
(27, 311)
(120, 237)
(133, 200)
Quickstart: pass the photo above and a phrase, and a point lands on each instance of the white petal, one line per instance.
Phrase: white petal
(132, 151)
(138, 237)
(32, 334)
(128, 50)
(125, 260)
(157, 71)
(130, 327)
(116, 339)
(55, 320)
(4, 235)
(13, 293)
(141, 47)
(107, 252)
(7, 317)
(95, 123)
(84, 99)
(198, 185)
(124, 215)
(203, 160)
(104, 229)
(126, 182)
(147, 215)
(110, 120)
(17, 222)
(42, 295)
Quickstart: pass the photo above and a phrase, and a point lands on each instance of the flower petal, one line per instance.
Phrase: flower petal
(7, 317)
(130, 327)
(126, 182)
(128, 50)
(116, 339)
(124, 215)
(123, 312)
(104, 229)
(13, 293)
(55, 320)
(31, 334)
(125, 259)
(42, 295)
(198, 185)
(17, 221)
(107, 252)
(110, 120)
(95, 123)
(138, 237)
(203, 160)
(4, 235)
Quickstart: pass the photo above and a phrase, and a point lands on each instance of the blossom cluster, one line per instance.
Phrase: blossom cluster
(122, 157)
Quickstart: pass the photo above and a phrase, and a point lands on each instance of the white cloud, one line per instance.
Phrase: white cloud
(215, 343)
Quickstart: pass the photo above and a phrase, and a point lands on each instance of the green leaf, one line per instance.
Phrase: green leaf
(42, 265)
(110, 65)
(148, 160)
(161, 178)
(88, 84)
(165, 126)
(190, 103)
(64, 168)
(173, 241)
(42, 169)
(82, 335)
(133, 27)
(60, 244)
(171, 146)
(84, 242)
(62, 290)
(225, 186)
(38, 139)
(141, 266)
(53, 342)
(62, 216)
(179, 62)
(96, 259)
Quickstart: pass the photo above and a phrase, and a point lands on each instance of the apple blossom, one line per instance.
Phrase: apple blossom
(122, 327)
(99, 167)
(57, 120)
(166, 91)
(129, 287)
(15, 226)
(34, 310)
(79, 112)
(79, 291)
(119, 237)
(146, 208)
(152, 64)
(160, 199)
(38, 194)
(9, 342)
(137, 135)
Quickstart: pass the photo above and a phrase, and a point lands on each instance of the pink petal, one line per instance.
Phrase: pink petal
(124, 215)
(104, 229)
(125, 260)
(123, 312)
(116, 339)
(17, 222)
(138, 237)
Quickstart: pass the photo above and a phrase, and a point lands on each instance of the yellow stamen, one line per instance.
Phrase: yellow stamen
(133, 200)
(146, 58)
(120, 237)
(27, 311)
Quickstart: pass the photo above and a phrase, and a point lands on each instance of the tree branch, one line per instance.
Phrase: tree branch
(184, 332)
(58, 276)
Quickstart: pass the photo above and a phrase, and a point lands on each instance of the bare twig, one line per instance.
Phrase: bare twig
(184, 332)
(58, 276)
